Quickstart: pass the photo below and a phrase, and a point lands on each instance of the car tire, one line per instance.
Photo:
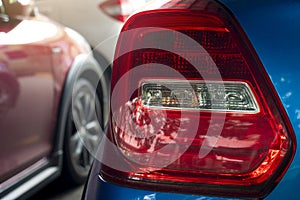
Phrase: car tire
(83, 131)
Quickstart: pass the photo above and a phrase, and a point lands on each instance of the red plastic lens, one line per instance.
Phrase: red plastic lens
(241, 154)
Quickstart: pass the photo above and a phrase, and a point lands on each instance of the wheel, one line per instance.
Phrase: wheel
(83, 132)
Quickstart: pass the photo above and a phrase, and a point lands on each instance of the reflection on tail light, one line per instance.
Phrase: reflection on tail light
(243, 141)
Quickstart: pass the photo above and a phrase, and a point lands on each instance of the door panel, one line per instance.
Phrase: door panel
(27, 93)
(26, 111)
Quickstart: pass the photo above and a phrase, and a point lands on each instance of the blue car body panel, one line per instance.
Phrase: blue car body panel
(273, 28)
(98, 189)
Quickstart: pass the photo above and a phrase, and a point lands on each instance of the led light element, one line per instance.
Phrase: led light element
(218, 96)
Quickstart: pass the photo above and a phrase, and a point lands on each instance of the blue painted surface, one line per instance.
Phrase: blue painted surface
(273, 28)
(97, 189)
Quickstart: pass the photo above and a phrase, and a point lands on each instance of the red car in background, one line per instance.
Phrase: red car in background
(46, 71)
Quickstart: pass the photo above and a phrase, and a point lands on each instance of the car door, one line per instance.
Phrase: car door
(26, 92)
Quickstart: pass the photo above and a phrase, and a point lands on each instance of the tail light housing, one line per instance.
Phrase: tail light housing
(192, 108)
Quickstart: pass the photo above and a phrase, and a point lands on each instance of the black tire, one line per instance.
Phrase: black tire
(83, 132)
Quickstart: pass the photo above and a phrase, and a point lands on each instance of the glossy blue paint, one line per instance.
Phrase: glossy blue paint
(109, 192)
(97, 189)
(273, 28)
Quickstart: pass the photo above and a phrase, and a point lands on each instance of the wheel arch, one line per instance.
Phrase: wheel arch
(83, 65)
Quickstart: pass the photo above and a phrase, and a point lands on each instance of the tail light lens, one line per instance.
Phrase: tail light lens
(192, 108)
(195, 95)
(121, 9)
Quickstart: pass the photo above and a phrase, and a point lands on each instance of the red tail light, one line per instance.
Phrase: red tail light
(193, 109)
(121, 9)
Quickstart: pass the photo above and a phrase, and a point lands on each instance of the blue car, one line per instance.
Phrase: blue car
(204, 104)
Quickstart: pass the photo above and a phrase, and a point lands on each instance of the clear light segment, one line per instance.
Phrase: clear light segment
(213, 96)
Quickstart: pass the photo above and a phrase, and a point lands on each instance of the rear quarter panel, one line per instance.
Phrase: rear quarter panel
(273, 29)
